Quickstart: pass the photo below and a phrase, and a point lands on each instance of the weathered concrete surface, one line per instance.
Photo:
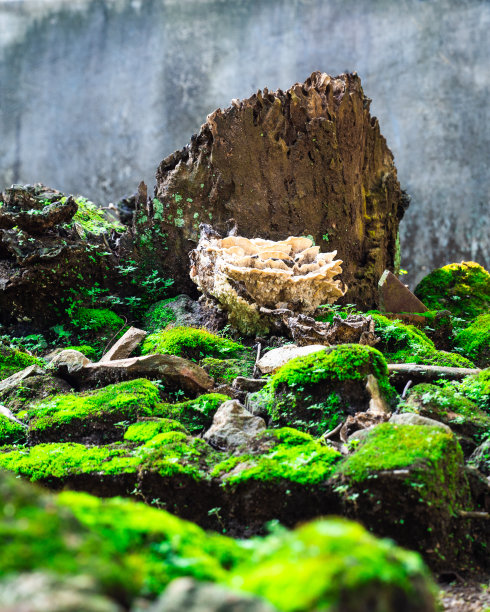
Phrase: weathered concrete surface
(95, 94)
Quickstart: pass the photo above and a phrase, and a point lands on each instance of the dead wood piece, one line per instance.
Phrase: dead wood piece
(401, 373)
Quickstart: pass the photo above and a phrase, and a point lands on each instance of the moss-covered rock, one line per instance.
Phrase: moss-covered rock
(85, 349)
(408, 482)
(462, 288)
(224, 371)
(159, 315)
(477, 388)
(19, 395)
(196, 415)
(11, 432)
(91, 416)
(314, 393)
(480, 459)
(13, 360)
(345, 569)
(474, 340)
(448, 405)
(131, 550)
(191, 343)
(402, 343)
(143, 431)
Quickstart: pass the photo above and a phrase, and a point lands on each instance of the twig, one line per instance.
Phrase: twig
(259, 350)
(469, 515)
(332, 432)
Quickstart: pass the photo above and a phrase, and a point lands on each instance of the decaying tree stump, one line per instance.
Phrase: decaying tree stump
(308, 161)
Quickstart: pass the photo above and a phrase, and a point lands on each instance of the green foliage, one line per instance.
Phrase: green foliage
(92, 219)
(333, 565)
(401, 343)
(143, 431)
(11, 432)
(190, 343)
(463, 289)
(74, 415)
(477, 388)
(159, 315)
(97, 319)
(13, 360)
(391, 447)
(226, 370)
(298, 459)
(474, 341)
(146, 285)
(196, 414)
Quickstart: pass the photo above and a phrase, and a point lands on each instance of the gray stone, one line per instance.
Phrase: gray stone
(125, 345)
(480, 458)
(13, 381)
(233, 426)
(68, 362)
(186, 594)
(273, 360)
(410, 418)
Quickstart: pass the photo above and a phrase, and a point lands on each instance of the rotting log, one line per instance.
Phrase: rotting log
(401, 373)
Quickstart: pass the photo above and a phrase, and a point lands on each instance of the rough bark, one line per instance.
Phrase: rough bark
(308, 161)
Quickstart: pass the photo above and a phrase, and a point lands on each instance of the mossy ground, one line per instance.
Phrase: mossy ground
(463, 289)
(191, 343)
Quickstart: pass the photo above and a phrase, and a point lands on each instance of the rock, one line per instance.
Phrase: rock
(273, 360)
(480, 459)
(193, 596)
(12, 382)
(125, 345)
(68, 362)
(394, 296)
(244, 275)
(233, 426)
(249, 384)
(183, 311)
(307, 161)
(42, 591)
(410, 418)
(174, 371)
(26, 390)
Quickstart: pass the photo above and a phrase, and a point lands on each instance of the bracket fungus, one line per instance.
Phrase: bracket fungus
(245, 275)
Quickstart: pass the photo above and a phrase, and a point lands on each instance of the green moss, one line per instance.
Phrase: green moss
(11, 432)
(13, 360)
(463, 289)
(226, 370)
(143, 431)
(190, 343)
(306, 463)
(196, 414)
(159, 315)
(401, 343)
(334, 565)
(74, 415)
(477, 388)
(448, 405)
(97, 319)
(127, 547)
(474, 341)
(391, 447)
(312, 393)
(85, 349)
(93, 220)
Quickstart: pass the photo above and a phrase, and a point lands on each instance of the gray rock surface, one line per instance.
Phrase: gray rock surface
(125, 345)
(192, 596)
(410, 418)
(273, 360)
(480, 458)
(233, 426)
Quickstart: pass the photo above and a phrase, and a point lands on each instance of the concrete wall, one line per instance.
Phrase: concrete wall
(93, 94)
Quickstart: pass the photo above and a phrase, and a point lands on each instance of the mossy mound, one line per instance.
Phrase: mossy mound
(408, 482)
(11, 432)
(159, 315)
(463, 289)
(196, 415)
(91, 416)
(345, 569)
(143, 431)
(224, 371)
(85, 349)
(314, 393)
(474, 341)
(401, 343)
(295, 457)
(13, 360)
(191, 343)
(448, 405)
(132, 550)
(93, 329)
